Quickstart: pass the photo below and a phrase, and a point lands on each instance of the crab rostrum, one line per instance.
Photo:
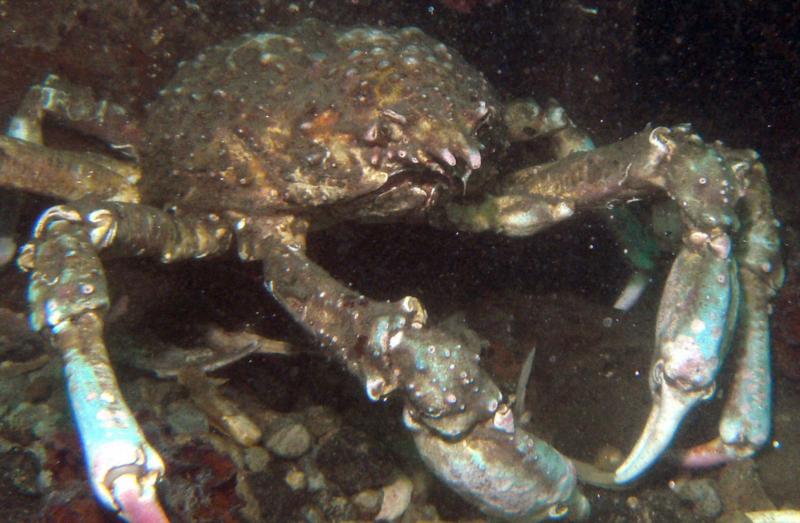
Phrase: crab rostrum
(262, 138)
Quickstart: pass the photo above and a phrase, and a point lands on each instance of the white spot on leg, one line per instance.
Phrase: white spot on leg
(563, 210)
(395, 339)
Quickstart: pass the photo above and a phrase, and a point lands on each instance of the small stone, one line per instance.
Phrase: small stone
(321, 420)
(315, 478)
(257, 458)
(288, 438)
(353, 461)
(339, 508)
(336, 508)
(296, 479)
(184, 418)
(313, 515)
(368, 500)
(701, 493)
(396, 498)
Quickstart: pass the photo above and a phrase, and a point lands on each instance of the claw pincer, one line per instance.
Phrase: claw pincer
(68, 296)
(698, 305)
(717, 295)
(462, 428)
(507, 474)
(468, 438)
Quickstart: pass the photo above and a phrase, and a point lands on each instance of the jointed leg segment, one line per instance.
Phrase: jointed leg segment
(77, 107)
(68, 298)
(383, 343)
(461, 426)
(27, 165)
(726, 259)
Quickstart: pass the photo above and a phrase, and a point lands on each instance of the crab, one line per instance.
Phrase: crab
(261, 139)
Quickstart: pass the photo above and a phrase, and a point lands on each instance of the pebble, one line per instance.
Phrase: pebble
(296, 479)
(336, 508)
(184, 418)
(701, 493)
(288, 438)
(352, 460)
(312, 514)
(322, 420)
(396, 498)
(257, 458)
(368, 500)
(315, 478)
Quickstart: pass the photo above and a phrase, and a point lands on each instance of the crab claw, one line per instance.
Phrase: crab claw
(692, 336)
(504, 471)
(138, 502)
(122, 466)
(669, 408)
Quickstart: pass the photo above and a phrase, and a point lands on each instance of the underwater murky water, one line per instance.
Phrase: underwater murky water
(323, 451)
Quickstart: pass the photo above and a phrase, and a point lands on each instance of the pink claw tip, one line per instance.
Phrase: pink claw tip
(138, 509)
(710, 454)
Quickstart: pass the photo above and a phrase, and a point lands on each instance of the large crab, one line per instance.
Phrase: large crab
(262, 138)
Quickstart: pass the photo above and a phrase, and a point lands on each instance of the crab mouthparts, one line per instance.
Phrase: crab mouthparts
(416, 181)
(407, 191)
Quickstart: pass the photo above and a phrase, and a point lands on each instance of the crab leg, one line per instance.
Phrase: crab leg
(508, 474)
(67, 175)
(745, 423)
(26, 164)
(78, 107)
(462, 429)
(68, 298)
(22, 165)
(527, 120)
(698, 310)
